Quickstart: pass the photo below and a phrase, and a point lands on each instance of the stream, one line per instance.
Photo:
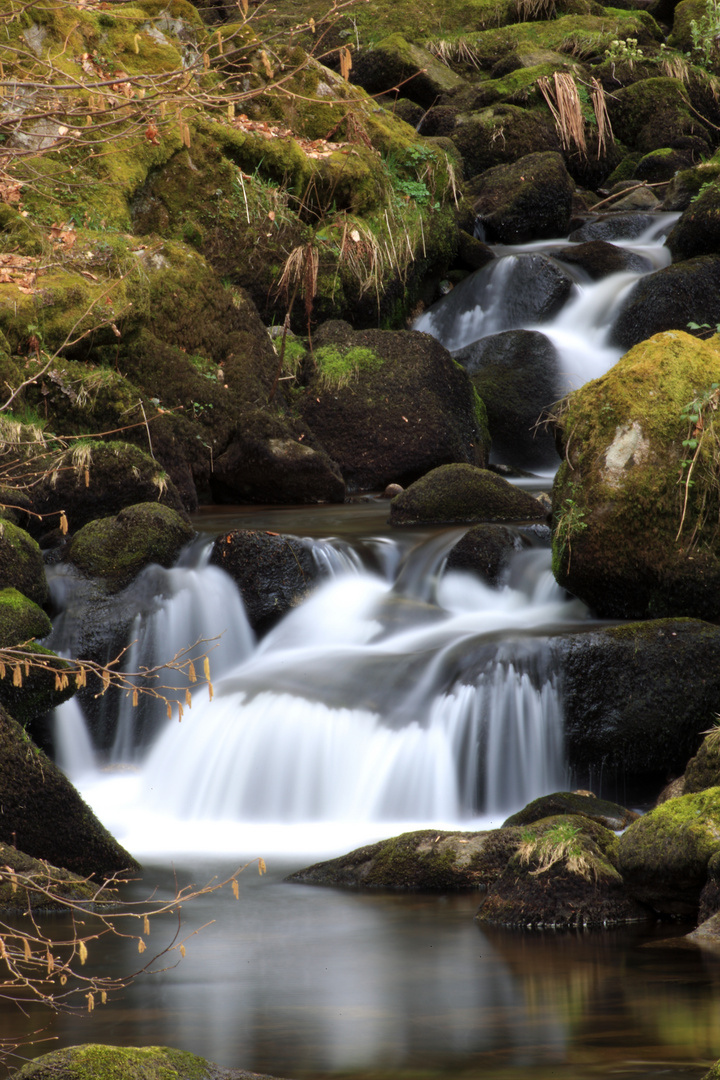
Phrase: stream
(397, 696)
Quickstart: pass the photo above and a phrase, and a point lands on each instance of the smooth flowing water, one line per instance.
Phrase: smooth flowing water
(398, 695)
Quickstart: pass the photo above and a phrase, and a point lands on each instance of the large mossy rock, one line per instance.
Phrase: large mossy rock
(42, 814)
(463, 494)
(698, 230)
(517, 375)
(394, 61)
(703, 770)
(116, 549)
(49, 879)
(273, 460)
(642, 724)
(670, 299)
(428, 859)
(21, 563)
(22, 621)
(390, 406)
(579, 803)
(496, 135)
(274, 573)
(531, 199)
(619, 499)
(664, 856)
(656, 113)
(101, 481)
(563, 875)
(94, 1061)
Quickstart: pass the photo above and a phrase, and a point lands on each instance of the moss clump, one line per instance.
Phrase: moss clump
(617, 503)
(117, 548)
(100, 1062)
(339, 367)
(459, 494)
(20, 618)
(664, 855)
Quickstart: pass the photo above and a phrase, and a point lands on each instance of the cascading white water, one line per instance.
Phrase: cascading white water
(374, 702)
(491, 303)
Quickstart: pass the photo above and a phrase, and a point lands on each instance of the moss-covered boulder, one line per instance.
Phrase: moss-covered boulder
(99, 479)
(394, 61)
(643, 724)
(270, 459)
(703, 770)
(670, 299)
(390, 406)
(517, 375)
(496, 135)
(427, 859)
(462, 494)
(28, 694)
(42, 814)
(116, 549)
(663, 857)
(93, 1061)
(21, 563)
(55, 880)
(656, 113)
(579, 803)
(486, 550)
(631, 537)
(530, 199)
(698, 230)
(563, 875)
(20, 618)
(274, 573)
(688, 185)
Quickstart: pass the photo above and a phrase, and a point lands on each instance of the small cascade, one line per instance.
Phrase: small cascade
(73, 746)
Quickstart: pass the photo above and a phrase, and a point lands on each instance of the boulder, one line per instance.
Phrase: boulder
(563, 875)
(599, 258)
(663, 857)
(428, 859)
(98, 480)
(530, 199)
(273, 460)
(54, 879)
(42, 814)
(21, 622)
(390, 406)
(633, 730)
(394, 61)
(116, 549)
(517, 375)
(486, 550)
(611, 227)
(698, 230)
(21, 563)
(662, 165)
(703, 770)
(274, 573)
(656, 113)
(462, 494)
(688, 184)
(496, 135)
(579, 803)
(629, 539)
(670, 299)
(98, 1062)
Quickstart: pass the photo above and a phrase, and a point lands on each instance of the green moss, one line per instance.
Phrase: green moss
(20, 619)
(21, 563)
(97, 1062)
(339, 366)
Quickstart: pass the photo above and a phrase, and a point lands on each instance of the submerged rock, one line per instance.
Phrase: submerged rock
(457, 494)
(631, 537)
(273, 572)
(428, 859)
(563, 875)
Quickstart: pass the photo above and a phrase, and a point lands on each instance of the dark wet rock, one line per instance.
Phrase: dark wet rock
(460, 494)
(663, 857)
(656, 113)
(100, 483)
(532, 288)
(710, 895)
(611, 227)
(698, 230)
(563, 875)
(530, 199)
(472, 253)
(389, 406)
(585, 804)
(42, 814)
(21, 563)
(486, 551)
(496, 135)
(116, 549)
(517, 375)
(54, 879)
(637, 198)
(598, 258)
(669, 299)
(428, 859)
(643, 723)
(273, 460)
(617, 503)
(394, 61)
(661, 165)
(98, 1062)
(274, 573)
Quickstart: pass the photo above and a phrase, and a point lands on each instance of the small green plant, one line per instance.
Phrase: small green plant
(569, 524)
(712, 735)
(338, 367)
(705, 34)
(698, 414)
(624, 51)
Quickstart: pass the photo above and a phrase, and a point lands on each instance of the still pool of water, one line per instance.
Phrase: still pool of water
(300, 982)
